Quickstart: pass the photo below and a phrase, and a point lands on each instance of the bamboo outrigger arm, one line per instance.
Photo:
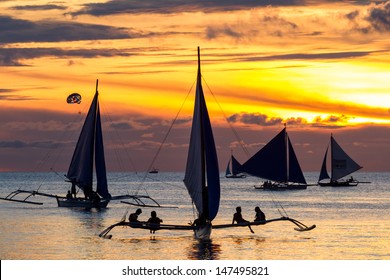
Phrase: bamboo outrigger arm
(12, 195)
(143, 225)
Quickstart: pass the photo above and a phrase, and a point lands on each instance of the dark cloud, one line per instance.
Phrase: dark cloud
(15, 97)
(21, 31)
(309, 56)
(176, 6)
(379, 17)
(255, 118)
(39, 7)
(14, 56)
(17, 144)
(330, 121)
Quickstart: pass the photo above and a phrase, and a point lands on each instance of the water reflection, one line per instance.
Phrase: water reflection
(204, 250)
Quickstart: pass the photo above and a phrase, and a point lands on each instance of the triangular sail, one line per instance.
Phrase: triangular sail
(324, 172)
(342, 164)
(100, 163)
(236, 166)
(271, 161)
(202, 173)
(227, 173)
(295, 173)
(80, 170)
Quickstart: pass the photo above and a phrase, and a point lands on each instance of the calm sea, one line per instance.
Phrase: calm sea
(352, 223)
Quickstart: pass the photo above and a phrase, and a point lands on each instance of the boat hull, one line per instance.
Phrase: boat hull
(281, 187)
(81, 203)
(339, 184)
(203, 232)
(235, 176)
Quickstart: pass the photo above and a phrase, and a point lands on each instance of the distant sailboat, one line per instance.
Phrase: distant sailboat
(341, 166)
(235, 169)
(277, 163)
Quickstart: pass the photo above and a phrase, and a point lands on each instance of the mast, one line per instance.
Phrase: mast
(287, 152)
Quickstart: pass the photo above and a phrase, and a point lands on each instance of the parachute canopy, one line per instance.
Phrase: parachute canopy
(74, 98)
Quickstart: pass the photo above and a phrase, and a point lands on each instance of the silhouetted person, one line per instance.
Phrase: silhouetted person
(155, 221)
(260, 216)
(69, 195)
(237, 217)
(134, 216)
(74, 189)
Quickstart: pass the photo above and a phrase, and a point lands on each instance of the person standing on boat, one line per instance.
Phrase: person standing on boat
(134, 216)
(154, 221)
(69, 195)
(237, 217)
(260, 216)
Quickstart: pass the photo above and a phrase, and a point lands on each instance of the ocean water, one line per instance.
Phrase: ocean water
(352, 222)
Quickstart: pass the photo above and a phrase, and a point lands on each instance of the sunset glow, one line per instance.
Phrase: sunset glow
(317, 67)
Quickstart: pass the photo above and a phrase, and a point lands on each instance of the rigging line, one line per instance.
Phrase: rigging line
(76, 120)
(240, 141)
(166, 135)
(278, 205)
(116, 152)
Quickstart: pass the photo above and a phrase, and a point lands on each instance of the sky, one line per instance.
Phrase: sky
(320, 67)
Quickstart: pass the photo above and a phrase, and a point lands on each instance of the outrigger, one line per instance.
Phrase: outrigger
(138, 200)
(149, 226)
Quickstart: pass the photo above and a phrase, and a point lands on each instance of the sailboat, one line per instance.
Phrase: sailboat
(341, 166)
(89, 153)
(277, 163)
(201, 179)
(80, 173)
(235, 170)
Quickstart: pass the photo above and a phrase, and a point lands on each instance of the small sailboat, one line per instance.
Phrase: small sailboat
(277, 163)
(235, 172)
(201, 179)
(341, 165)
(153, 171)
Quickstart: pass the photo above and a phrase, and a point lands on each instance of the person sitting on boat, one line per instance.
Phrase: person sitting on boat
(154, 221)
(260, 216)
(237, 217)
(200, 221)
(134, 216)
(69, 195)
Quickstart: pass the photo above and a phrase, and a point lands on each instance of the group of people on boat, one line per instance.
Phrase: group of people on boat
(237, 217)
(154, 221)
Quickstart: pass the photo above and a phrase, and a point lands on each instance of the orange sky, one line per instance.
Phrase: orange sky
(322, 68)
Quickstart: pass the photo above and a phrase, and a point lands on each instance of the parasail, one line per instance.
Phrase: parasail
(74, 98)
